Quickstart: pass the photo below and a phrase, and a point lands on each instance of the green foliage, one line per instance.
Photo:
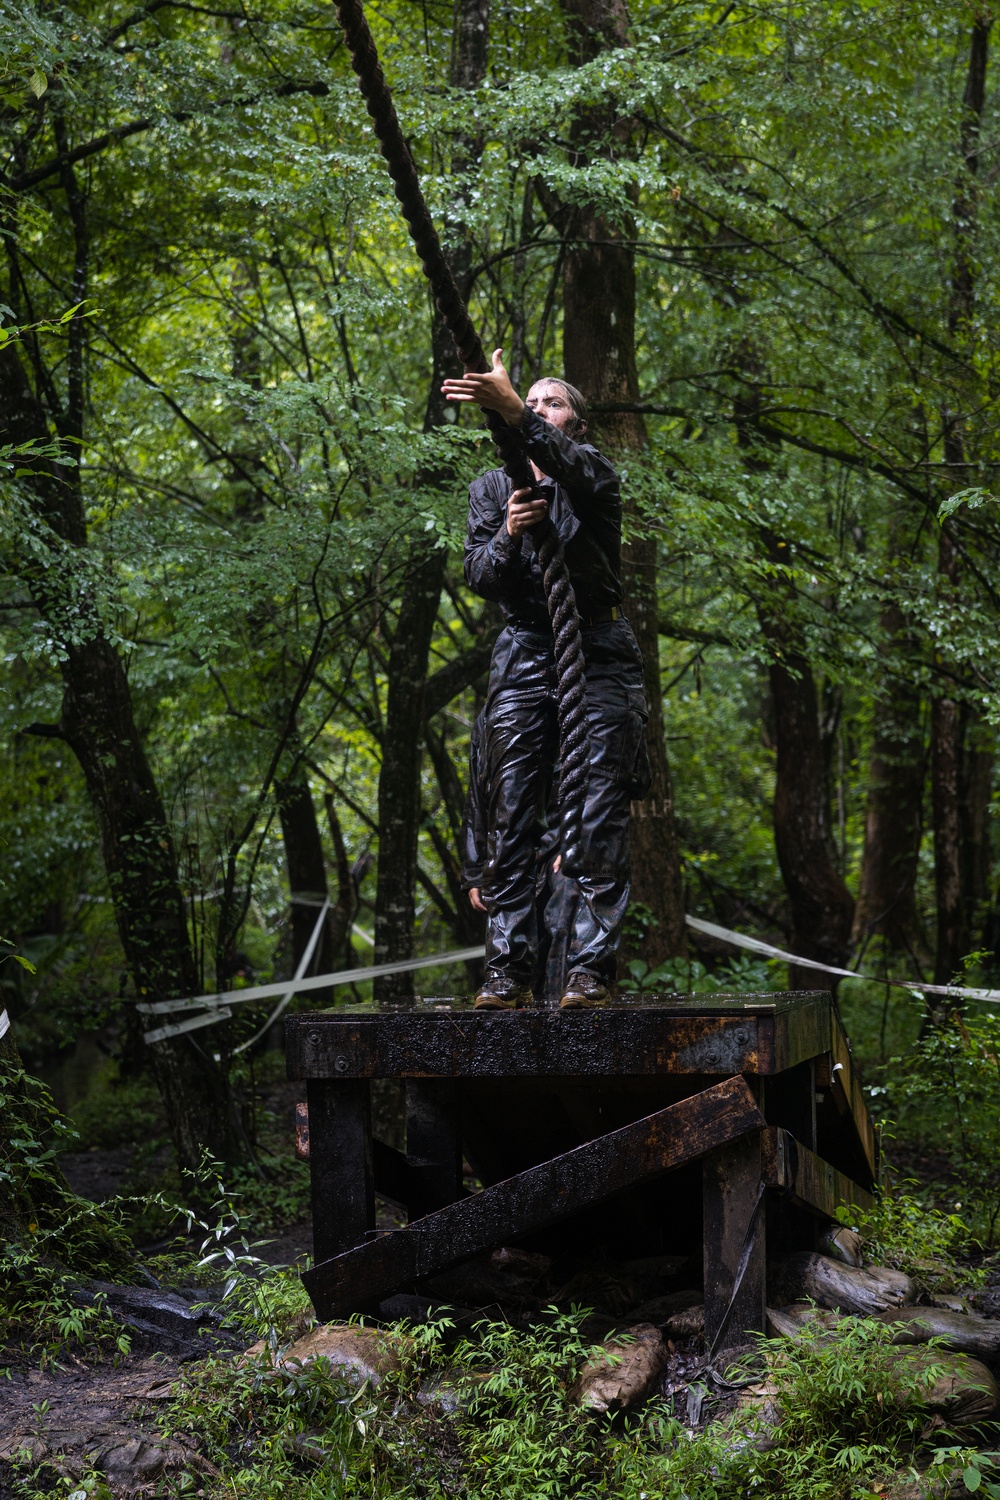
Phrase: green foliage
(44, 1311)
(495, 1419)
(910, 1235)
(690, 977)
(849, 1419)
(973, 1467)
(947, 1093)
(40, 1211)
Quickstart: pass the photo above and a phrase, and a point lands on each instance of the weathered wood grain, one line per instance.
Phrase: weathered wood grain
(701, 1037)
(534, 1199)
(806, 1178)
(734, 1240)
(340, 1164)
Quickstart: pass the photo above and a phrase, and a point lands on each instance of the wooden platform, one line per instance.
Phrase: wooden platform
(658, 1125)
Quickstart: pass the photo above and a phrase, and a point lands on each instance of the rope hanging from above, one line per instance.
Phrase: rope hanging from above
(559, 596)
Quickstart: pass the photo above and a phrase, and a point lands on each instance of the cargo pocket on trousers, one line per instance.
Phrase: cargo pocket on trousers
(636, 774)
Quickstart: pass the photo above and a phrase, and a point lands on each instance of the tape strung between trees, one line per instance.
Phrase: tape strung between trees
(217, 1007)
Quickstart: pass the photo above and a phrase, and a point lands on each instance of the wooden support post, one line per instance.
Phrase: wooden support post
(433, 1144)
(340, 1160)
(734, 1244)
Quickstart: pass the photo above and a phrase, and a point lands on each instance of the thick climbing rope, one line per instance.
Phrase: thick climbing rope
(559, 597)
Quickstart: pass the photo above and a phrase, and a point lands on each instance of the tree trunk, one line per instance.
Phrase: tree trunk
(977, 791)
(946, 761)
(599, 358)
(98, 723)
(399, 802)
(821, 904)
(946, 715)
(894, 818)
(822, 908)
(305, 863)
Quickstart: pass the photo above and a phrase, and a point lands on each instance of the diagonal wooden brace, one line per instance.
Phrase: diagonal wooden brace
(534, 1199)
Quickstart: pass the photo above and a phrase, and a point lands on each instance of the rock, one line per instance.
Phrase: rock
(623, 1373)
(656, 1268)
(521, 1265)
(953, 1302)
(756, 1412)
(357, 1354)
(508, 1275)
(842, 1244)
(806, 1275)
(788, 1322)
(444, 1393)
(408, 1306)
(127, 1457)
(986, 1300)
(964, 1333)
(964, 1394)
(658, 1309)
(688, 1323)
(157, 1320)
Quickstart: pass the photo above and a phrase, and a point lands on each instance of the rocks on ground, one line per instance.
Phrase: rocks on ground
(355, 1353)
(866, 1291)
(624, 1373)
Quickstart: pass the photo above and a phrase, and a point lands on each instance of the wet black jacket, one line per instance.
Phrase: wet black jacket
(585, 505)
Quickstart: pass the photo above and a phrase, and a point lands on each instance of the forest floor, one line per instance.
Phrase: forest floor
(103, 1425)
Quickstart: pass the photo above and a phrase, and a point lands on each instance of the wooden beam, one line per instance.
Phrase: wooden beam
(649, 1035)
(534, 1199)
(733, 1237)
(340, 1164)
(433, 1138)
(806, 1178)
(845, 1080)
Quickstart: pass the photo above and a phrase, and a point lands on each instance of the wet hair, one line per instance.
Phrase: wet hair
(575, 399)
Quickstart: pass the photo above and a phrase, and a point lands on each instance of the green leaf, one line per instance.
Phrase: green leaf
(38, 83)
(975, 499)
(973, 1479)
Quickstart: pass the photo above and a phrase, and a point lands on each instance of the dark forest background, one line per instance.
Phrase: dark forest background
(239, 664)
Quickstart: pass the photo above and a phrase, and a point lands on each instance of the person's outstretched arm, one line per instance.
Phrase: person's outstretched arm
(577, 466)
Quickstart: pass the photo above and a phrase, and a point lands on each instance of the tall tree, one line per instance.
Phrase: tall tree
(599, 333)
(98, 723)
(947, 718)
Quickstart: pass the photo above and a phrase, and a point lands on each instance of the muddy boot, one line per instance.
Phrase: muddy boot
(584, 992)
(501, 993)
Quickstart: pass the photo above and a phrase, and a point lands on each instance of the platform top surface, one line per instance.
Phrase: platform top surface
(668, 1005)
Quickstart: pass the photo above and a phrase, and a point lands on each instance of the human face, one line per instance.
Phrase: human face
(548, 400)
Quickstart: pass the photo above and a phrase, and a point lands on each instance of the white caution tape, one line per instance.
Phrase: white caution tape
(4, 1023)
(222, 1013)
(217, 1007)
(756, 945)
(304, 963)
(193, 1023)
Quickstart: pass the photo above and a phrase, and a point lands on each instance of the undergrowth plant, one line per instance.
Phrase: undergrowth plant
(491, 1416)
(905, 1233)
(848, 1418)
(949, 1093)
(49, 1238)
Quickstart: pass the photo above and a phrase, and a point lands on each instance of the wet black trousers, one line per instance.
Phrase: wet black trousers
(520, 749)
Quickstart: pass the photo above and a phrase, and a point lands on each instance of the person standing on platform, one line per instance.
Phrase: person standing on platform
(579, 489)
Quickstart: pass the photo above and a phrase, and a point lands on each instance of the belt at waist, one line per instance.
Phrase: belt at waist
(542, 623)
